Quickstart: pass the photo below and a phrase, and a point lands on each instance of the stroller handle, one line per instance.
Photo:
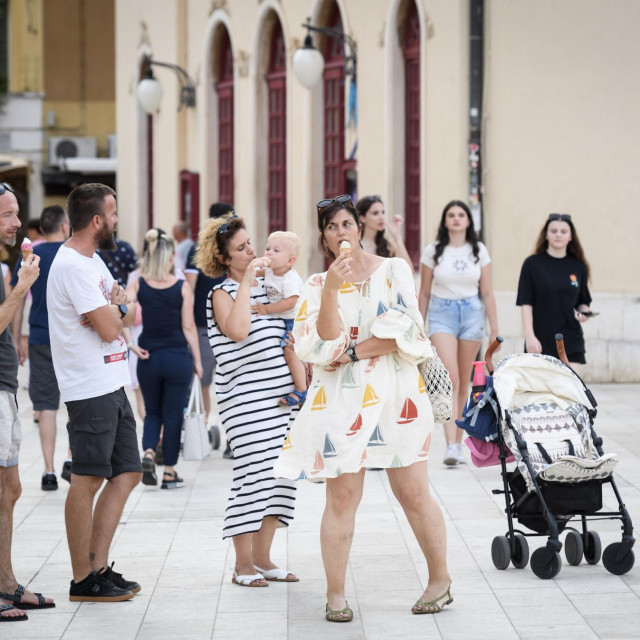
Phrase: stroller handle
(562, 354)
(490, 351)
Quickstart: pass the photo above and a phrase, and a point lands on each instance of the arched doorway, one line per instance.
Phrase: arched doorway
(334, 108)
(276, 79)
(224, 90)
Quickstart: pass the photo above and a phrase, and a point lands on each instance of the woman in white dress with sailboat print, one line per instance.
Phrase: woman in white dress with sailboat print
(359, 325)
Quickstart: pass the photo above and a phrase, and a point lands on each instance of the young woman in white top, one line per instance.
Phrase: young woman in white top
(455, 282)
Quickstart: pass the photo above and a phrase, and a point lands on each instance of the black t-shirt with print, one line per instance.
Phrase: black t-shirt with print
(554, 287)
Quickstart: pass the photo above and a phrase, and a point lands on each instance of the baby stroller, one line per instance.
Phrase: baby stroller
(544, 415)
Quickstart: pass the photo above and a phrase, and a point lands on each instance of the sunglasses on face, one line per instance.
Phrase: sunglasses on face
(565, 217)
(4, 187)
(224, 228)
(323, 204)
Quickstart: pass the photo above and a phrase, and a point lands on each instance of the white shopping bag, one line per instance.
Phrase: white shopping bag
(196, 438)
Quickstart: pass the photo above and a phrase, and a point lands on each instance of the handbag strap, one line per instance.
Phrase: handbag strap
(199, 399)
(191, 405)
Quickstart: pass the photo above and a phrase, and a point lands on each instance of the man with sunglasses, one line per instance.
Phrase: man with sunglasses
(11, 593)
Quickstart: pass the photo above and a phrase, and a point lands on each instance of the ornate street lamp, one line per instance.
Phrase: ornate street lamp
(149, 90)
(308, 63)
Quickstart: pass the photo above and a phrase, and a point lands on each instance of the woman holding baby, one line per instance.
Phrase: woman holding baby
(251, 377)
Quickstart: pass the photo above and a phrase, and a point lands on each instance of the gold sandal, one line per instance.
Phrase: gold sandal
(334, 615)
(433, 606)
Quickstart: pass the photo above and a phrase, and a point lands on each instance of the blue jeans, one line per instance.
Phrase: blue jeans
(165, 379)
(462, 318)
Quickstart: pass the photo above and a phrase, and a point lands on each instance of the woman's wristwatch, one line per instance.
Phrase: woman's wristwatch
(351, 352)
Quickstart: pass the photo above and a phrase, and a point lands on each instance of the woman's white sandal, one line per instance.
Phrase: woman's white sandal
(247, 580)
(276, 575)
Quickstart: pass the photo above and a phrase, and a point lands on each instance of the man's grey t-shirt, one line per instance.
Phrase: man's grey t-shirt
(8, 356)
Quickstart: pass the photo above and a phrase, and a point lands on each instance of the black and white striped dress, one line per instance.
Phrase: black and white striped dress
(251, 376)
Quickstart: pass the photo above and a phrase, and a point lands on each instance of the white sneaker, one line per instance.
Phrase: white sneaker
(451, 456)
(460, 453)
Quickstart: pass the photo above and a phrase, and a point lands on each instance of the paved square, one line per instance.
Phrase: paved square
(169, 541)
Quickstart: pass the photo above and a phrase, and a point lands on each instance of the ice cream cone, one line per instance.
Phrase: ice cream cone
(26, 248)
(345, 245)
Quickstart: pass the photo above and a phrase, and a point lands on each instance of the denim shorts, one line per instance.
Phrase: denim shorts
(463, 318)
(288, 327)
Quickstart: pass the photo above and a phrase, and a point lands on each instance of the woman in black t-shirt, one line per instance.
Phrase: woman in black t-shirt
(553, 292)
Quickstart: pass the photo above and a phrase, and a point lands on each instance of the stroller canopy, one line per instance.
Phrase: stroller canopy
(531, 378)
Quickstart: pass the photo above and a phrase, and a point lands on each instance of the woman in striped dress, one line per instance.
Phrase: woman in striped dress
(251, 376)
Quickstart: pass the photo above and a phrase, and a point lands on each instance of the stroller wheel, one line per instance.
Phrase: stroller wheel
(613, 564)
(545, 565)
(214, 437)
(593, 548)
(573, 548)
(520, 558)
(500, 552)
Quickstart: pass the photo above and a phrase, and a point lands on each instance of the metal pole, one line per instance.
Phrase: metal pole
(476, 86)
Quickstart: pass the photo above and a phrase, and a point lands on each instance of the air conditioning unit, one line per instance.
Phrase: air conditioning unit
(71, 147)
(112, 146)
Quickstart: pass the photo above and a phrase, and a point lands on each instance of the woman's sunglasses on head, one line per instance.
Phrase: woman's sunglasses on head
(4, 187)
(565, 217)
(323, 204)
(224, 228)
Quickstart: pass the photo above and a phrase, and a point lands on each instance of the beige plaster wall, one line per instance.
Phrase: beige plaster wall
(562, 134)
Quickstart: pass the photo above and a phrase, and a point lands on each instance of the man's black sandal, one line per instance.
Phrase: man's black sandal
(17, 597)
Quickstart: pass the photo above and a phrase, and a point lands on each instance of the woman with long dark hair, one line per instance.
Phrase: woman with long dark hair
(358, 324)
(553, 291)
(378, 235)
(455, 284)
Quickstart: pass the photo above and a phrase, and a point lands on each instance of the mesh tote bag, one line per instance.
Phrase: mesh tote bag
(196, 439)
(439, 388)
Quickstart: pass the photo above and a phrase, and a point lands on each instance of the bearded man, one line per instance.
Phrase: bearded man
(87, 311)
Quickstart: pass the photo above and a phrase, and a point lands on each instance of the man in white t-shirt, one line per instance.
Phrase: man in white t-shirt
(87, 311)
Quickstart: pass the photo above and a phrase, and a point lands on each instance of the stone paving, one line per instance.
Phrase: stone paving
(170, 543)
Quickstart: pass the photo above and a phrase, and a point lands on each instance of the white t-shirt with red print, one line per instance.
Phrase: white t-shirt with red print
(86, 366)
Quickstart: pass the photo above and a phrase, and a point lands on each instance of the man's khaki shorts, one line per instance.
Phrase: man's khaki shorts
(10, 430)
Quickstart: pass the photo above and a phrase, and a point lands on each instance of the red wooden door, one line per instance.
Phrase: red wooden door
(225, 121)
(277, 134)
(334, 179)
(190, 201)
(411, 47)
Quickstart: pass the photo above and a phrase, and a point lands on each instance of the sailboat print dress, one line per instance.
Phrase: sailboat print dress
(251, 376)
(370, 413)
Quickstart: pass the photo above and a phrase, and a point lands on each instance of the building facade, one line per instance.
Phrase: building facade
(558, 130)
(57, 88)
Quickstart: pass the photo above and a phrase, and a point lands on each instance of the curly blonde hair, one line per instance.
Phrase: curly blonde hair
(212, 248)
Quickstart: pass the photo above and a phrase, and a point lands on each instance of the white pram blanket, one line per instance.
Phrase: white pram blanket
(547, 405)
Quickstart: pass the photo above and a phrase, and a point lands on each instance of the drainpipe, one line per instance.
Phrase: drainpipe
(476, 79)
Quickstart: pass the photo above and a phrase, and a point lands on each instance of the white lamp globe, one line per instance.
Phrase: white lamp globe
(308, 64)
(149, 94)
